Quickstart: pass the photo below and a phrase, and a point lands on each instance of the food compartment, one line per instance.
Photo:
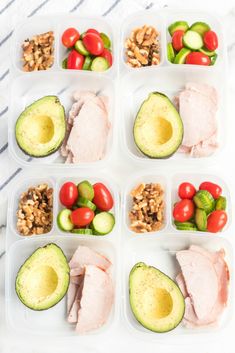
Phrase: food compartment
(28, 29)
(192, 17)
(136, 180)
(28, 89)
(22, 186)
(196, 180)
(160, 253)
(53, 321)
(139, 19)
(114, 210)
(136, 88)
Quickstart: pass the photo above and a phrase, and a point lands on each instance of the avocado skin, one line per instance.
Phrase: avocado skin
(142, 264)
(67, 272)
(53, 150)
(178, 145)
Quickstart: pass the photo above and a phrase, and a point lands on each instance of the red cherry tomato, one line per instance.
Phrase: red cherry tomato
(92, 30)
(210, 40)
(75, 60)
(183, 210)
(68, 194)
(214, 189)
(186, 191)
(197, 58)
(177, 40)
(216, 221)
(108, 56)
(93, 43)
(82, 216)
(69, 37)
(103, 198)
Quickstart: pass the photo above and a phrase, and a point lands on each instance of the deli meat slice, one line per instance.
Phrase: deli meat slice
(200, 279)
(96, 301)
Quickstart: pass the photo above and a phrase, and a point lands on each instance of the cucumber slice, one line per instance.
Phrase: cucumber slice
(85, 189)
(79, 46)
(106, 40)
(200, 27)
(82, 35)
(181, 56)
(207, 52)
(85, 231)
(201, 219)
(64, 63)
(204, 200)
(221, 203)
(213, 59)
(63, 220)
(83, 202)
(192, 40)
(99, 64)
(179, 25)
(170, 53)
(185, 226)
(103, 223)
(87, 63)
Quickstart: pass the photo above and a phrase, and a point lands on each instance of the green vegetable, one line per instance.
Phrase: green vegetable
(85, 189)
(103, 223)
(176, 26)
(192, 40)
(204, 200)
(79, 46)
(170, 53)
(221, 203)
(99, 64)
(87, 63)
(64, 63)
(63, 220)
(201, 219)
(200, 27)
(106, 40)
(85, 231)
(186, 226)
(181, 56)
(213, 59)
(83, 202)
(207, 52)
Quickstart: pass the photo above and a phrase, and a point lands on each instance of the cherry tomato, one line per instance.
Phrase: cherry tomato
(197, 58)
(108, 56)
(216, 221)
(68, 194)
(177, 40)
(103, 198)
(82, 216)
(186, 191)
(210, 40)
(92, 30)
(75, 60)
(93, 43)
(214, 189)
(69, 37)
(183, 210)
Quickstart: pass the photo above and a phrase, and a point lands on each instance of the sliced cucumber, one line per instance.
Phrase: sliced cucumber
(85, 189)
(207, 52)
(204, 200)
(185, 226)
(103, 223)
(213, 59)
(192, 40)
(63, 220)
(83, 202)
(181, 56)
(85, 231)
(200, 27)
(201, 219)
(79, 46)
(82, 35)
(64, 63)
(221, 203)
(170, 53)
(106, 40)
(176, 26)
(87, 63)
(99, 64)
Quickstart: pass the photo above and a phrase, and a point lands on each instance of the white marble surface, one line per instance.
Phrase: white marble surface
(120, 340)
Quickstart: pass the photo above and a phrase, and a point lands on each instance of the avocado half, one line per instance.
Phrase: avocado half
(155, 299)
(40, 129)
(158, 128)
(43, 280)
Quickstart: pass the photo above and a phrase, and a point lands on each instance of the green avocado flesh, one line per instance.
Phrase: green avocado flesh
(158, 128)
(156, 300)
(40, 128)
(43, 280)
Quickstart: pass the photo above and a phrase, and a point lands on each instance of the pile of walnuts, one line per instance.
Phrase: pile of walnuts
(142, 47)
